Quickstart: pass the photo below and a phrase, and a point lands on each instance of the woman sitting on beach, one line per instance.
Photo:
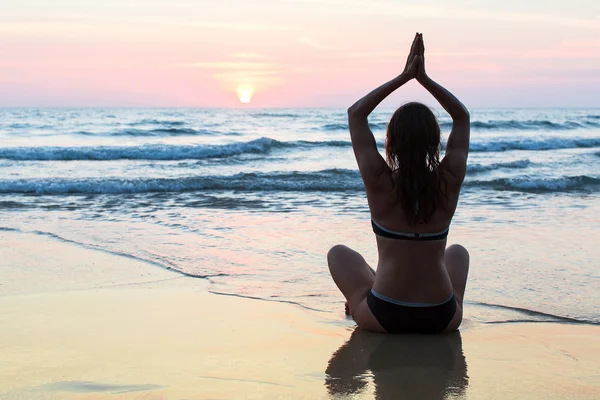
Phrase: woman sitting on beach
(419, 285)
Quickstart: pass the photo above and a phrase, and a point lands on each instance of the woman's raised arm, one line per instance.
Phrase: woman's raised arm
(370, 162)
(458, 141)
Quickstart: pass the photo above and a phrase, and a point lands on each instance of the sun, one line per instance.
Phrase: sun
(245, 93)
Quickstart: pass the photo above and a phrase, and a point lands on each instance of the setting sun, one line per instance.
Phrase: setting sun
(245, 94)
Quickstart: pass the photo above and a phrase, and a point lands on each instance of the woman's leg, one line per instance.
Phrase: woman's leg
(347, 308)
(457, 265)
(354, 278)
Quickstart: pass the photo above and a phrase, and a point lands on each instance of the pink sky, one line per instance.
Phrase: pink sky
(294, 52)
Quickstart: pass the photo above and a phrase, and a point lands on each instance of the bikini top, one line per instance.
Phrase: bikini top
(387, 233)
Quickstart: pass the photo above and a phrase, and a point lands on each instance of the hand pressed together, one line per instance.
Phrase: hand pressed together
(415, 64)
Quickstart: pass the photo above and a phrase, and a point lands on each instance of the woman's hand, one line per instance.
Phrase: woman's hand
(419, 60)
(411, 70)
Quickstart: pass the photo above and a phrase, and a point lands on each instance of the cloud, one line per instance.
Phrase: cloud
(61, 21)
(311, 43)
(251, 56)
(233, 26)
(247, 72)
(256, 78)
(231, 65)
(456, 11)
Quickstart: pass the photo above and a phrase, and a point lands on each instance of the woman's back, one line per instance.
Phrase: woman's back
(412, 270)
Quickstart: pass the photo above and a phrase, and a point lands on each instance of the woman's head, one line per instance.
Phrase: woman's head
(413, 151)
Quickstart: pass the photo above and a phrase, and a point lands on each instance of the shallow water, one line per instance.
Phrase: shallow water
(253, 199)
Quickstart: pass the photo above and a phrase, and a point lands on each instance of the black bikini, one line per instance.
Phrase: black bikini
(406, 317)
(387, 233)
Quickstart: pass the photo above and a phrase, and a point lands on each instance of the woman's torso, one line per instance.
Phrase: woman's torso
(412, 270)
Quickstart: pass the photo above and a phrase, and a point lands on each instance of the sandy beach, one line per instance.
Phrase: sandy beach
(174, 176)
(77, 323)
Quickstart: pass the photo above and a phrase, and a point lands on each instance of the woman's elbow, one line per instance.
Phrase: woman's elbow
(463, 116)
(467, 114)
(354, 112)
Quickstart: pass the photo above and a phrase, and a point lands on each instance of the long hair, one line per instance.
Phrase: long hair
(413, 152)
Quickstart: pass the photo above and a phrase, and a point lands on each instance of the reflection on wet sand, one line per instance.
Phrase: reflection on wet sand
(398, 366)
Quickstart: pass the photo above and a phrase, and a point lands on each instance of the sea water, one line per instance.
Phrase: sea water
(252, 199)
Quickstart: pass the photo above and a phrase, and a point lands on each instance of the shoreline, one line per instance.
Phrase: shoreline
(159, 272)
(149, 333)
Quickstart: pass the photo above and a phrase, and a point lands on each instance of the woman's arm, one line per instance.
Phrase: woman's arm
(459, 136)
(370, 162)
(460, 133)
(451, 104)
(365, 106)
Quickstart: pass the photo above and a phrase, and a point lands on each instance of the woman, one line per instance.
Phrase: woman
(419, 285)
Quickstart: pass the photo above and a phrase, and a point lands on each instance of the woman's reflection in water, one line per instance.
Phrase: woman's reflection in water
(400, 366)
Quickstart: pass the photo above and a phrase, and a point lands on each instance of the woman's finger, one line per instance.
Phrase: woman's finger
(415, 44)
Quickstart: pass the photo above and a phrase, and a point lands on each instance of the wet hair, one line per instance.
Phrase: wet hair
(413, 153)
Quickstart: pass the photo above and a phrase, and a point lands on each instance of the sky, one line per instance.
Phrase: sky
(294, 53)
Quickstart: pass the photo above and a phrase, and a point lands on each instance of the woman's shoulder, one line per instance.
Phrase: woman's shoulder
(453, 168)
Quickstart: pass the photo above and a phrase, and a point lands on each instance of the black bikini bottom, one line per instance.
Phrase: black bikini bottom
(411, 317)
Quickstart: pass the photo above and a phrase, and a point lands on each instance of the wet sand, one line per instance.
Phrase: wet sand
(77, 323)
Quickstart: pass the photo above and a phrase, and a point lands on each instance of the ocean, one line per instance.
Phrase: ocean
(252, 199)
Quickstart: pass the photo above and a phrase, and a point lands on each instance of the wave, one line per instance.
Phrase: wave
(506, 144)
(174, 128)
(539, 185)
(12, 205)
(161, 152)
(157, 151)
(479, 168)
(159, 132)
(157, 122)
(145, 152)
(167, 131)
(534, 144)
(164, 263)
(496, 125)
(28, 126)
(326, 180)
(528, 125)
(244, 296)
(546, 317)
(329, 180)
(344, 126)
(274, 115)
(20, 126)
